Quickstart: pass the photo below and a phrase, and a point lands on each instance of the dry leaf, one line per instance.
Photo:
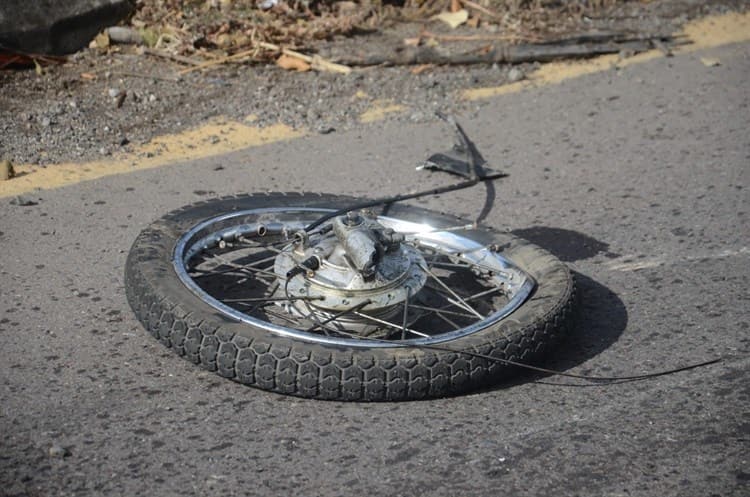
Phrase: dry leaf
(421, 68)
(102, 40)
(455, 5)
(292, 63)
(473, 22)
(412, 42)
(453, 19)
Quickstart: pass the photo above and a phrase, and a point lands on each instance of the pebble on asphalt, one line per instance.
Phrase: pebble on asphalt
(58, 451)
(515, 74)
(22, 201)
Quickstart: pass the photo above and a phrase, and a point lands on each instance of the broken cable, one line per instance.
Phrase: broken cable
(463, 160)
(605, 380)
(399, 198)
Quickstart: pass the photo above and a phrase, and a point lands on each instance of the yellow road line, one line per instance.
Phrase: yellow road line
(379, 110)
(704, 33)
(220, 136)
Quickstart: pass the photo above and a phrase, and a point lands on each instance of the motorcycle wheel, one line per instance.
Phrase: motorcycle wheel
(201, 281)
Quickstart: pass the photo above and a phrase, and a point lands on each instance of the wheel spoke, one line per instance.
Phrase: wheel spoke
(406, 314)
(269, 245)
(463, 263)
(444, 318)
(484, 293)
(339, 315)
(459, 301)
(249, 269)
(269, 299)
(390, 325)
(283, 317)
(442, 310)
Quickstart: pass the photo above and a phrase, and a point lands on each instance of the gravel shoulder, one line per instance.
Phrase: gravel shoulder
(60, 116)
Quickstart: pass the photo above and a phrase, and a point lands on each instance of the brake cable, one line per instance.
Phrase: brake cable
(596, 380)
(606, 380)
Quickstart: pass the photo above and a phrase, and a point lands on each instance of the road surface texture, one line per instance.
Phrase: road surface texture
(638, 178)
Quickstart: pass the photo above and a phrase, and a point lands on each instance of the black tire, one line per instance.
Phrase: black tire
(193, 329)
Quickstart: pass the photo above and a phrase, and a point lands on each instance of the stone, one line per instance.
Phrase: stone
(58, 451)
(52, 27)
(515, 74)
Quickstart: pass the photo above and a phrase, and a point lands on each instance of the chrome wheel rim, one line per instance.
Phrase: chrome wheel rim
(239, 245)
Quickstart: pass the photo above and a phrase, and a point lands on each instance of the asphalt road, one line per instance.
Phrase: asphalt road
(638, 178)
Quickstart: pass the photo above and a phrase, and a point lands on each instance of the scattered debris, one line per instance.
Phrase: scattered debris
(210, 34)
(316, 62)
(207, 35)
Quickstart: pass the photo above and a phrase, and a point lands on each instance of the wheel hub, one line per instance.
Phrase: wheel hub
(354, 263)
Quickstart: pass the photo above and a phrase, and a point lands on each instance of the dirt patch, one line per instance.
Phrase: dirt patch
(125, 99)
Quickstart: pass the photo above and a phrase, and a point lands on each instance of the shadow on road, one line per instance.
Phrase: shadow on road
(566, 245)
(601, 319)
(599, 322)
(601, 316)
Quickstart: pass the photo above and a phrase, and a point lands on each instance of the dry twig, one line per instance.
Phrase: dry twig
(172, 57)
(484, 10)
(220, 60)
